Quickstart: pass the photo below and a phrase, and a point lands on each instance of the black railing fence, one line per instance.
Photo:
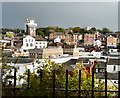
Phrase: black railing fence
(66, 89)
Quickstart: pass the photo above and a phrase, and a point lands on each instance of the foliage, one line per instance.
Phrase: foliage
(42, 85)
(9, 34)
(6, 73)
(76, 29)
(106, 30)
(41, 81)
(46, 31)
(15, 31)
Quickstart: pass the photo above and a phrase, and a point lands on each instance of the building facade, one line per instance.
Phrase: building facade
(89, 39)
(30, 27)
(45, 53)
(28, 43)
(41, 44)
(112, 41)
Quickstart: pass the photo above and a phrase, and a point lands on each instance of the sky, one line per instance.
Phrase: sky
(62, 14)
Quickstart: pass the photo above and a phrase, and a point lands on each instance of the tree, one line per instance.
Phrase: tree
(76, 29)
(60, 29)
(40, 32)
(93, 28)
(43, 86)
(82, 31)
(6, 73)
(106, 30)
(10, 34)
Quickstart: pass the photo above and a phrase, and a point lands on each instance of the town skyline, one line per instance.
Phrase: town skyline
(92, 14)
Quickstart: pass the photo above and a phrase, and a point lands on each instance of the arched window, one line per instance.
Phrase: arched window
(31, 44)
(26, 40)
(27, 45)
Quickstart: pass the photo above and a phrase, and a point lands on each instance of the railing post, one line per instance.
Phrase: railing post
(28, 80)
(66, 83)
(79, 83)
(41, 75)
(92, 83)
(105, 84)
(15, 70)
(118, 84)
(53, 83)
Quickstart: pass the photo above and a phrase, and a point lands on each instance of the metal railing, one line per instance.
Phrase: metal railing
(66, 89)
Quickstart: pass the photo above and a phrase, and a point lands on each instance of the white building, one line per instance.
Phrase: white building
(96, 54)
(28, 43)
(41, 44)
(113, 65)
(98, 43)
(57, 40)
(30, 27)
(113, 50)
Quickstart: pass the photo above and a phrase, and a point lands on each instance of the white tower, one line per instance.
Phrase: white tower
(31, 27)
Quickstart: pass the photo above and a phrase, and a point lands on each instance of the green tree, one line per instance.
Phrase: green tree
(11, 35)
(106, 30)
(44, 88)
(60, 29)
(40, 32)
(82, 31)
(76, 29)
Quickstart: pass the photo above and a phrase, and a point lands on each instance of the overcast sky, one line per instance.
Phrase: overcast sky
(62, 14)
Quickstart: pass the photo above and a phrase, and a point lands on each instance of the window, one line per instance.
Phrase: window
(31, 44)
(26, 40)
(31, 40)
(27, 45)
(25, 50)
(116, 82)
(114, 68)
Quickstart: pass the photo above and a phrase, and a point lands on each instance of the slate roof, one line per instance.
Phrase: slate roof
(101, 64)
(74, 61)
(71, 62)
(39, 38)
(111, 76)
(114, 62)
(20, 60)
(84, 60)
